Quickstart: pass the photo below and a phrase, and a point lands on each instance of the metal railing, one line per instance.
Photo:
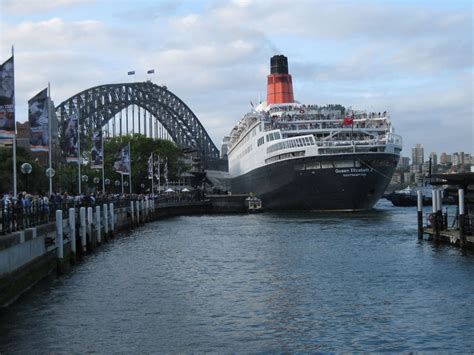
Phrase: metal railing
(16, 217)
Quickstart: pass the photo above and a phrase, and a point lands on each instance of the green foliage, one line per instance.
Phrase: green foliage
(36, 182)
(66, 177)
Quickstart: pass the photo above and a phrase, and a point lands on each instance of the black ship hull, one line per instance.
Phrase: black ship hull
(321, 182)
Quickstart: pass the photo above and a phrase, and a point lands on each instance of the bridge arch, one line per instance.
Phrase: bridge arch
(98, 105)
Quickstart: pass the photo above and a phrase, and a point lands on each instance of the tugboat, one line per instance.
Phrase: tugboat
(254, 204)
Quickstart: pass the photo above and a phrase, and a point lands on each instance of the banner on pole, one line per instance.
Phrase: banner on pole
(122, 161)
(7, 99)
(97, 152)
(38, 117)
(72, 138)
(150, 167)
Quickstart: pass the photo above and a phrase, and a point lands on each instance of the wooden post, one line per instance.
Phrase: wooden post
(82, 228)
(112, 218)
(132, 214)
(89, 226)
(106, 221)
(420, 213)
(439, 210)
(97, 224)
(59, 242)
(72, 230)
(59, 235)
(462, 235)
(434, 219)
(138, 212)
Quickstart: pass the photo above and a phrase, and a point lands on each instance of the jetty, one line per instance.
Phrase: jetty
(435, 224)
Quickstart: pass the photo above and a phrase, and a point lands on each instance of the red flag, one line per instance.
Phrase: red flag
(347, 121)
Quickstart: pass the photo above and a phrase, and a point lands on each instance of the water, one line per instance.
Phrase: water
(274, 282)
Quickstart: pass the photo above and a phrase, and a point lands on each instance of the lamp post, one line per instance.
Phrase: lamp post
(125, 184)
(117, 184)
(26, 170)
(96, 182)
(50, 173)
(85, 179)
(107, 183)
(142, 185)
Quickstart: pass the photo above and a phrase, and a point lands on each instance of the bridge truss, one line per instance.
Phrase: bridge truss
(160, 114)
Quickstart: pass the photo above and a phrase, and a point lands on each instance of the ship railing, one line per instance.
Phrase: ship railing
(395, 139)
(336, 143)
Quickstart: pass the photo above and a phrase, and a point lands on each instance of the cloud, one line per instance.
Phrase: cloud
(413, 60)
(25, 7)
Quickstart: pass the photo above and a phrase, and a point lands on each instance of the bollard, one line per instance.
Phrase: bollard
(72, 230)
(106, 222)
(59, 235)
(89, 224)
(419, 196)
(82, 228)
(132, 214)
(138, 212)
(97, 224)
(112, 217)
(462, 235)
(434, 219)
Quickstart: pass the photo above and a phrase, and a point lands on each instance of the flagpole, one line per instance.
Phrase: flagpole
(103, 161)
(152, 175)
(79, 160)
(15, 192)
(130, 167)
(49, 142)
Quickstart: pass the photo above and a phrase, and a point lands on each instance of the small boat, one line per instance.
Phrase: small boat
(408, 197)
(254, 204)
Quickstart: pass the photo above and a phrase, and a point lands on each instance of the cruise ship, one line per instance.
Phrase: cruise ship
(297, 156)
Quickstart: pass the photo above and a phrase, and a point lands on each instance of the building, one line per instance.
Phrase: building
(404, 163)
(434, 159)
(417, 155)
(445, 159)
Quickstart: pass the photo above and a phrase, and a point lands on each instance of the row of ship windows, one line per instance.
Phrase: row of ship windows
(284, 156)
(270, 137)
(339, 164)
(293, 143)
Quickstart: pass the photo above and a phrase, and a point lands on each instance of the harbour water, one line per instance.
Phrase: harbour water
(272, 282)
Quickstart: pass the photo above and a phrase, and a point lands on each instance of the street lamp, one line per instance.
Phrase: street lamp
(107, 183)
(117, 184)
(85, 179)
(142, 185)
(26, 169)
(96, 182)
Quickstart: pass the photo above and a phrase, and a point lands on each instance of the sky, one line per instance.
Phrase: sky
(413, 59)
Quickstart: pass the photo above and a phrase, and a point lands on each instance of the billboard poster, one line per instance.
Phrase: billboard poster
(97, 152)
(7, 100)
(38, 117)
(122, 161)
(71, 133)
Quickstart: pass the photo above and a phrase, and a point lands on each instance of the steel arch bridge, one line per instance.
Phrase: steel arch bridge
(98, 105)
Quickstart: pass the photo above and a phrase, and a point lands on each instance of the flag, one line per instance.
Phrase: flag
(38, 117)
(165, 171)
(347, 121)
(157, 166)
(131, 72)
(7, 99)
(150, 166)
(71, 134)
(151, 71)
(97, 152)
(122, 161)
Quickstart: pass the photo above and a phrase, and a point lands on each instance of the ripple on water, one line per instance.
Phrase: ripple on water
(275, 282)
